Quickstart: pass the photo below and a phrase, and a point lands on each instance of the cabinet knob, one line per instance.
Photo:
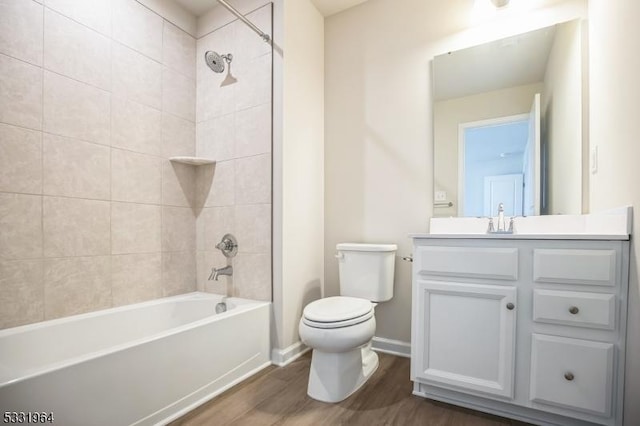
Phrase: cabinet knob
(569, 376)
(574, 310)
(510, 306)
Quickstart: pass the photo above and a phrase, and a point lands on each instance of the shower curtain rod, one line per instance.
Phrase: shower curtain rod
(250, 24)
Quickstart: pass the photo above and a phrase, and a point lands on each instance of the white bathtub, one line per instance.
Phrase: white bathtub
(140, 364)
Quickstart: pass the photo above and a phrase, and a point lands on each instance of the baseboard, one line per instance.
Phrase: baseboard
(392, 347)
(282, 357)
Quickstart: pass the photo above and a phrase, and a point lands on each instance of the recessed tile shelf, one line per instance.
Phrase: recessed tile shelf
(193, 161)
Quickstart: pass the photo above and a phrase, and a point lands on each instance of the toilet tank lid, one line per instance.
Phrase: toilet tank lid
(366, 247)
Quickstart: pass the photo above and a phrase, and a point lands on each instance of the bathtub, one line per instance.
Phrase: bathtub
(140, 364)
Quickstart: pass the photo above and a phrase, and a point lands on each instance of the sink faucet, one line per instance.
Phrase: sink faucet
(216, 272)
(501, 226)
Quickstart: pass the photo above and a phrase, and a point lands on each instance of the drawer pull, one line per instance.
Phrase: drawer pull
(569, 376)
(510, 306)
(574, 310)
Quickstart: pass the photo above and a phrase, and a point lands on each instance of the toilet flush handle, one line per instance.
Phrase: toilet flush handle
(339, 256)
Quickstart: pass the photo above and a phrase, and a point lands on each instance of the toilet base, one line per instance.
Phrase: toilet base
(335, 376)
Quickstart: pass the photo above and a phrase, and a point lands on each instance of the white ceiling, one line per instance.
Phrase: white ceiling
(513, 61)
(197, 7)
(326, 7)
(330, 7)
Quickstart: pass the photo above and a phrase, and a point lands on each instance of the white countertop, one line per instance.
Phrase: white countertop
(523, 236)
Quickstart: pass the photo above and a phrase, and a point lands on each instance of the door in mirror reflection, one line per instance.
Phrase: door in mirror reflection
(499, 162)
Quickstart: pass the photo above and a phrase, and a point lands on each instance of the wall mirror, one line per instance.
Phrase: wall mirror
(510, 125)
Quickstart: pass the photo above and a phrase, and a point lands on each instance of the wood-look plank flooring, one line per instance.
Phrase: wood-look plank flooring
(278, 396)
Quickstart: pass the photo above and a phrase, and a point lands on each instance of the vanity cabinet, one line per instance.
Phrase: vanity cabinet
(532, 329)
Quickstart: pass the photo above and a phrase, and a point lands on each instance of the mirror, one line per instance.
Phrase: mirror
(510, 125)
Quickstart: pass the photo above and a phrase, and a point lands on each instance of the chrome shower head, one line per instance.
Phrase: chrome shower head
(215, 61)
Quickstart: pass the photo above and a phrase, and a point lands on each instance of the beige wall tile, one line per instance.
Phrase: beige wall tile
(178, 273)
(20, 226)
(21, 292)
(20, 93)
(178, 184)
(75, 227)
(135, 177)
(246, 40)
(94, 14)
(215, 138)
(215, 185)
(136, 77)
(135, 228)
(178, 229)
(76, 285)
(21, 30)
(76, 51)
(178, 137)
(75, 109)
(20, 160)
(253, 228)
(253, 131)
(136, 278)
(213, 259)
(135, 127)
(137, 27)
(252, 276)
(73, 168)
(213, 224)
(212, 100)
(178, 95)
(253, 179)
(254, 82)
(179, 50)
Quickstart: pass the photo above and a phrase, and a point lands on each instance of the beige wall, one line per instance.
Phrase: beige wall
(92, 214)
(562, 110)
(614, 39)
(448, 114)
(378, 149)
(233, 126)
(298, 170)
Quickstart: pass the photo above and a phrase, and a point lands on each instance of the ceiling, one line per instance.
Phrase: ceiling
(326, 7)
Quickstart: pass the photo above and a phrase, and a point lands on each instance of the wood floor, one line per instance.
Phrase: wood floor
(278, 396)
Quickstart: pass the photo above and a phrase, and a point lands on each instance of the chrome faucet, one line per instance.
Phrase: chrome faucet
(216, 272)
(501, 226)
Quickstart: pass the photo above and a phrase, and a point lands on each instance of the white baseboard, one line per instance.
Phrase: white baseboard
(392, 347)
(282, 357)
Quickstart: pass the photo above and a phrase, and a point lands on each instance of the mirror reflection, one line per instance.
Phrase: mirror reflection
(510, 125)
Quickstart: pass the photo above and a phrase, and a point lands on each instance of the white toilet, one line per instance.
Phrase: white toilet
(339, 329)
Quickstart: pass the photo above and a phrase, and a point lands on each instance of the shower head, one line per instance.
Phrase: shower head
(215, 61)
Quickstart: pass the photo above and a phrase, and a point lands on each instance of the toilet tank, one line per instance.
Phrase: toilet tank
(366, 270)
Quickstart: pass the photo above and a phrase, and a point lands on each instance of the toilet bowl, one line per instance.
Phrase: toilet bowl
(339, 329)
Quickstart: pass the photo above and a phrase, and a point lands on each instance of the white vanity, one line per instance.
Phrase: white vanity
(527, 326)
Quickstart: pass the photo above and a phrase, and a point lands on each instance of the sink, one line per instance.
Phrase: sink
(615, 222)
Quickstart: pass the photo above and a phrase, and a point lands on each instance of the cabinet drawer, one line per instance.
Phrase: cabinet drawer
(581, 309)
(572, 373)
(586, 267)
(473, 262)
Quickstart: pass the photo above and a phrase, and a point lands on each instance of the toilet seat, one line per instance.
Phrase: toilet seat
(337, 312)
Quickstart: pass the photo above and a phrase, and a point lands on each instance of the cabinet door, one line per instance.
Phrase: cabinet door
(466, 336)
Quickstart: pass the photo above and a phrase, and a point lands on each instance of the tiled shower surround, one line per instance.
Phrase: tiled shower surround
(94, 99)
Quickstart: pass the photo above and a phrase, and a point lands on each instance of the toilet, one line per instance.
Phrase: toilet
(339, 329)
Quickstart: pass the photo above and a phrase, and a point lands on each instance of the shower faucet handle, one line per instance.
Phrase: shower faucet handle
(228, 245)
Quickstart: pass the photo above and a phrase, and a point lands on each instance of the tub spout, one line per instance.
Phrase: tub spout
(216, 272)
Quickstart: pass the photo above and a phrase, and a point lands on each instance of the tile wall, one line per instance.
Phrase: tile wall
(94, 97)
(233, 126)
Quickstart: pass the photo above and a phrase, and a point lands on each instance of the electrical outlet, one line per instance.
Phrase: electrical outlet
(594, 160)
(440, 196)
